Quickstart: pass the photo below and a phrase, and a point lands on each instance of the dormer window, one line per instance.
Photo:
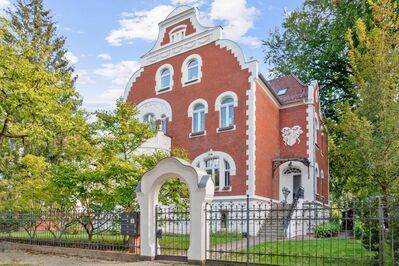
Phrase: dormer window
(177, 34)
(282, 92)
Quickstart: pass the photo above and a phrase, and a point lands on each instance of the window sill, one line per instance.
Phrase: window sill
(163, 90)
(197, 134)
(223, 189)
(225, 129)
(191, 82)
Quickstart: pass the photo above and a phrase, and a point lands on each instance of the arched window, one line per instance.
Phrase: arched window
(226, 173)
(199, 118)
(225, 104)
(193, 70)
(164, 120)
(292, 170)
(150, 120)
(165, 79)
(220, 166)
(227, 113)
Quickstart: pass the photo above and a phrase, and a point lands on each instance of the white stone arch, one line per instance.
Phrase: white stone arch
(201, 190)
(287, 180)
(158, 88)
(194, 103)
(184, 69)
(156, 106)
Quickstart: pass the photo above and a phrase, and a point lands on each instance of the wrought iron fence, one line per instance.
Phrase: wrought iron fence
(99, 230)
(271, 233)
(172, 232)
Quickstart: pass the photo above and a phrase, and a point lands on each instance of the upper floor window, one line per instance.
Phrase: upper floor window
(199, 118)
(227, 113)
(178, 33)
(191, 70)
(225, 104)
(197, 111)
(150, 120)
(164, 79)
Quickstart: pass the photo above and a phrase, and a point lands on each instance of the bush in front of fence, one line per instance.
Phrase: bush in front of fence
(328, 229)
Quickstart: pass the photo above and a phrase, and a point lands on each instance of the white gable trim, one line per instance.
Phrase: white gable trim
(131, 81)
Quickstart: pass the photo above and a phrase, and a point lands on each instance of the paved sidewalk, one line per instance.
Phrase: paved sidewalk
(23, 258)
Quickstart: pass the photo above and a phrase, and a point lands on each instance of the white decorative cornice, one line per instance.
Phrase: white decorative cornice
(189, 43)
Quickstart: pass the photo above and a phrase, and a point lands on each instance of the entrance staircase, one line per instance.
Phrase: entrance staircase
(279, 217)
(274, 225)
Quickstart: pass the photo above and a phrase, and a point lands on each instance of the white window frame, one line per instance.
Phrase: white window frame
(177, 34)
(158, 79)
(197, 113)
(222, 156)
(190, 113)
(184, 79)
(218, 108)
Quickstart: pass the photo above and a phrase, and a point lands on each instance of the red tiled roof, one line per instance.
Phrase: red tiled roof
(296, 89)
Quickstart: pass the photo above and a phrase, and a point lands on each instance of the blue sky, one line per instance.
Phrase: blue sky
(106, 38)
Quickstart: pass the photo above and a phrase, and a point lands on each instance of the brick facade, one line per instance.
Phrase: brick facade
(256, 141)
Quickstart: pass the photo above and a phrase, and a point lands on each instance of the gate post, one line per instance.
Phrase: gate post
(201, 189)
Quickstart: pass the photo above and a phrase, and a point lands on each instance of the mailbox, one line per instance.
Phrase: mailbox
(130, 223)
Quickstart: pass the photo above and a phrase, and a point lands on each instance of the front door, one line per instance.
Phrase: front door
(296, 184)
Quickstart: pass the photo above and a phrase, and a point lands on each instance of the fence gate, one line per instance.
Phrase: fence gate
(172, 225)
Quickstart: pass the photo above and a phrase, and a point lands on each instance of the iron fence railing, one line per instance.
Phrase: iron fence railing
(99, 230)
(253, 232)
(172, 226)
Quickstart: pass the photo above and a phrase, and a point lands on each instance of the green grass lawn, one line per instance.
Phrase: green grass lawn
(308, 252)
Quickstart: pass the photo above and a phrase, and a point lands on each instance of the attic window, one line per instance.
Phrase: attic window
(177, 34)
(282, 92)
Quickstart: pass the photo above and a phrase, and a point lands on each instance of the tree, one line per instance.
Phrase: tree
(312, 46)
(33, 25)
(368, 146)
(42, 104)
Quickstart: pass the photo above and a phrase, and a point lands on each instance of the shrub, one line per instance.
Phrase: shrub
(358, 230)
(329, 229)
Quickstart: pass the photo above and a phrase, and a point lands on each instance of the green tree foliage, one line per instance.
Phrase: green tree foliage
(40, 109)
(366, 155)
(312, 46)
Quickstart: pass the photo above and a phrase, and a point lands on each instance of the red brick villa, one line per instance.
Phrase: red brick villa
(254, 136)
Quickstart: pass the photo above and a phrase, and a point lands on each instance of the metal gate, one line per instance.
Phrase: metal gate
(172, 225)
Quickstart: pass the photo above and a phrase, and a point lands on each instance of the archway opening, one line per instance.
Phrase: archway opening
(173, 219)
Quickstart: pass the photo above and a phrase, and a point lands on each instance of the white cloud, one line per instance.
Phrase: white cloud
(72, 59)
(141, 24)
(111, 94)
(4, 4)
(104, 56)
(188, 2)
(119, 73)
(238, 19)
(84, 77)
